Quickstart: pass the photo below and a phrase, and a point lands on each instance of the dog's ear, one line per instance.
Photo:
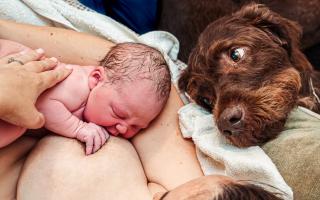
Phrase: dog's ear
(189, 75)
(194, 80)
(184, 80)
(283, 31)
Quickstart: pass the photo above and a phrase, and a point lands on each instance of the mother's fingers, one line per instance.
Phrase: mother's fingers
(27, 116)
(5, 60)
(52, 77)
(23, 57)
(30, 56)
(41, 66)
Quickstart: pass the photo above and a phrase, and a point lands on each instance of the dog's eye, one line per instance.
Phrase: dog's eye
(237, 54)
(206, 102)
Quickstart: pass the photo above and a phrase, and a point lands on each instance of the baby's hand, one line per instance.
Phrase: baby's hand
(93, 135)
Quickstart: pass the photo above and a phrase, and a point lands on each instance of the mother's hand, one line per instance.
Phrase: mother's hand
(23, 77)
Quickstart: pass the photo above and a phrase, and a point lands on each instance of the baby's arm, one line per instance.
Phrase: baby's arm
(61, 121)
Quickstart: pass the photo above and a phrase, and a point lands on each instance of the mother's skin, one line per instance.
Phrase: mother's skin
(58, 169)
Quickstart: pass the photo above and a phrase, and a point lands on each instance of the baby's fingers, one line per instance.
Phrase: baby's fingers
(104, 136)
(89, 145)
(97, 143)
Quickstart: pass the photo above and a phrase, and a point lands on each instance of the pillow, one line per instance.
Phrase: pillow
(296, 153)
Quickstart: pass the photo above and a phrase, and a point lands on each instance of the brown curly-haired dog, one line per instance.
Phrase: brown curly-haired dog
(248, 70)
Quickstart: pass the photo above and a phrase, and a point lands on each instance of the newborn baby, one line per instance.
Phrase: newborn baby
(120, 97)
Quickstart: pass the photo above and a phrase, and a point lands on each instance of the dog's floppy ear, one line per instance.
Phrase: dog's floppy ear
(194, 80)
(188, 77)
(184, 80)
(283, 31)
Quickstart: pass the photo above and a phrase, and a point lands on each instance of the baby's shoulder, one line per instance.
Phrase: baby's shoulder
(79, 77)
(72, 91)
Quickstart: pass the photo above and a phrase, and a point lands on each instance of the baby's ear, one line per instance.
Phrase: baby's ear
(283, 31)
(96, 76)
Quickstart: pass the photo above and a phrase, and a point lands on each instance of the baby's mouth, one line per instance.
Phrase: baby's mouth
(112, 131)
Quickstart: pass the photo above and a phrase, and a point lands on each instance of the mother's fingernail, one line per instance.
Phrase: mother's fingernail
(39, 50)
(53, 59)
(23, 52)
(68, 67)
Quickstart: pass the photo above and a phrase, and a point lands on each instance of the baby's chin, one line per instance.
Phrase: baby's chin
(128, 136)
(117, 134)
(125, 136)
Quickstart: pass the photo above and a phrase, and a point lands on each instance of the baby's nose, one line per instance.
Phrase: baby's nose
(121, 128)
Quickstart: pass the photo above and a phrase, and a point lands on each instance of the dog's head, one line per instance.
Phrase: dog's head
(243, 69)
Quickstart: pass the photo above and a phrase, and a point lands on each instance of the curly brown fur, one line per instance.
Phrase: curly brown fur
(192, 17)
(250, 97)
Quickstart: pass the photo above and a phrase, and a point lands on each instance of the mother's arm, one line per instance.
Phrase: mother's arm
(167, 158)
(67, 45)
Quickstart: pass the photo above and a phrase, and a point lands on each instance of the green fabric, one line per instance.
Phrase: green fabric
(296, 153)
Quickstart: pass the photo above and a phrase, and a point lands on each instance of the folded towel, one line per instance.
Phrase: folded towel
(217, 156)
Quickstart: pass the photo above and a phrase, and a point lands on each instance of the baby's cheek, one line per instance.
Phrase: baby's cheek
(91, 116)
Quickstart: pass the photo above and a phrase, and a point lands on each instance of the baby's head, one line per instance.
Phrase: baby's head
(216, 187)
(129, 90)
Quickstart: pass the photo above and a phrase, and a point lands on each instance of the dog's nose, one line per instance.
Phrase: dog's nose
(231, 120)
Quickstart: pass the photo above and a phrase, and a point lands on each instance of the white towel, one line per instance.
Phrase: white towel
(217, 156)
(214, 154)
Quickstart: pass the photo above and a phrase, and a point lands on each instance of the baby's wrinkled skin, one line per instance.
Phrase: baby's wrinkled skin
(85, 106)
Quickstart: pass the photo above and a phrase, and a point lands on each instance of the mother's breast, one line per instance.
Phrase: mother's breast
(58, 168)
